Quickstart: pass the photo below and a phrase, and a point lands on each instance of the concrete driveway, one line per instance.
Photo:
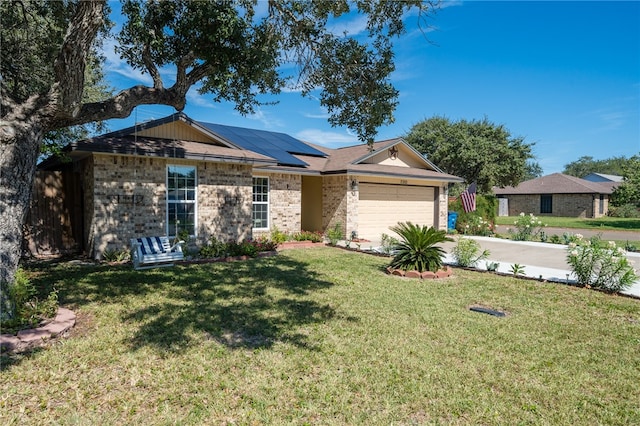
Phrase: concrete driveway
(540, 260)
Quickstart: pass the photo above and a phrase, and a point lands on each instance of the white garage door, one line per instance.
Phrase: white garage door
(381, 206)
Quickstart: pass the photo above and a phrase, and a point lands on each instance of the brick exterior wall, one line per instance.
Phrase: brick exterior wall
(442, 204)
(126, 197)
(353, 198)
(335, 203)
(565, 205)
(285, 202)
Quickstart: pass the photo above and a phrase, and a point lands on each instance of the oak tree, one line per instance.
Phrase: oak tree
(232, 50)
(477, 150)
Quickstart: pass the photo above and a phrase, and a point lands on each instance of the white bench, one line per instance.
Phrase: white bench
(151, 252)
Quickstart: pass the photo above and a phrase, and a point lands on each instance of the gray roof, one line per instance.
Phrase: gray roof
(557, 183)
(601, 177)
(269, 150)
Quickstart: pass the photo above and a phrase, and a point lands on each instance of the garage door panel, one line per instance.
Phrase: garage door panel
(382, 206)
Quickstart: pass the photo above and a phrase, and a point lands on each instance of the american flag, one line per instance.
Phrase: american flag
(468, 198)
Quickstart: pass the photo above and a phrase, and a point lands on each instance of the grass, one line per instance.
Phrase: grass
(601, 223)
(324, 336)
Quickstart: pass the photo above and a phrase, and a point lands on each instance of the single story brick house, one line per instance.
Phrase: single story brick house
(556, 195)
(231, 183)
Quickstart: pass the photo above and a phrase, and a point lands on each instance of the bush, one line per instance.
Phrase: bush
(389, 243)
(335, 234)
(416, 249)
(315, 237)
(466, 253)
(473, 224)
(28, 308)
(602, 266)
(486, 208)
(626, 210)
(265, 244)
(277, 235)
(527, 227)
(555, 239)
(244, 248)
(250, 248)
(116, 255)
(214, 249)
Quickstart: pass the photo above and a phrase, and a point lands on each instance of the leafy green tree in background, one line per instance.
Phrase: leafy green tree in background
(533, 170)
(586, 165)
(629, 191)
(223, 47)
(478, 150)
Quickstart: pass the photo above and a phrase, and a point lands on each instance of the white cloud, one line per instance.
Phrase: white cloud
(350, 27)
(323, 114)
(196, 99)
(328, 139)
(266, 119)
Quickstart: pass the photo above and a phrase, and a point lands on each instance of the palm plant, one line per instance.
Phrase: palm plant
(417, 250)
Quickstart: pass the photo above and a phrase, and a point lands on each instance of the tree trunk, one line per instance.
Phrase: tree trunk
(19, 150)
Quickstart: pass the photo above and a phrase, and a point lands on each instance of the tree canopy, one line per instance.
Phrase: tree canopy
(477, 150)
(586, 165)
(629, 191)
(232, 50)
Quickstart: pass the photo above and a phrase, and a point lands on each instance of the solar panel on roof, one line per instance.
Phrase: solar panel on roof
(276, 145)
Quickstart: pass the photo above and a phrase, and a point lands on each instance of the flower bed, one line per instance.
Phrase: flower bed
(441, 273)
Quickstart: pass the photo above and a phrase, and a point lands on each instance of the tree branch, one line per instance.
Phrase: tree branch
(121, 105)
(71, 61)
(151, 67)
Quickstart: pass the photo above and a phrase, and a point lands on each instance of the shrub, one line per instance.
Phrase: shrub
(517, 269)
(116, 255)
(244, 248)
(473, 224)
(555, 239)
(277, 235)
(466, 252)
(625, 210)
(335, 234)
(183, 235)
(389, 243)
(265, 244)
(486, 208)
(416, 249)
(527, 227)
(492, 266)
(28, 308)
(602, 266)
(315, 237)
(214, 249)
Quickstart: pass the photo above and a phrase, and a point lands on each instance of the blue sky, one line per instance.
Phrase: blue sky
(563, 75)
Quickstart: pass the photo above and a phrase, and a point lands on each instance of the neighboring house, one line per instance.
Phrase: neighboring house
(601, 177)
(232, 183)
(556, 195)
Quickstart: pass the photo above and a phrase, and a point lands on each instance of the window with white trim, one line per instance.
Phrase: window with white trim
(260, 212)
(181, 200)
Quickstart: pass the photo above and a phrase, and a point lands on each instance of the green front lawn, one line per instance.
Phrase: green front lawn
(602, 223)
(324, 336)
